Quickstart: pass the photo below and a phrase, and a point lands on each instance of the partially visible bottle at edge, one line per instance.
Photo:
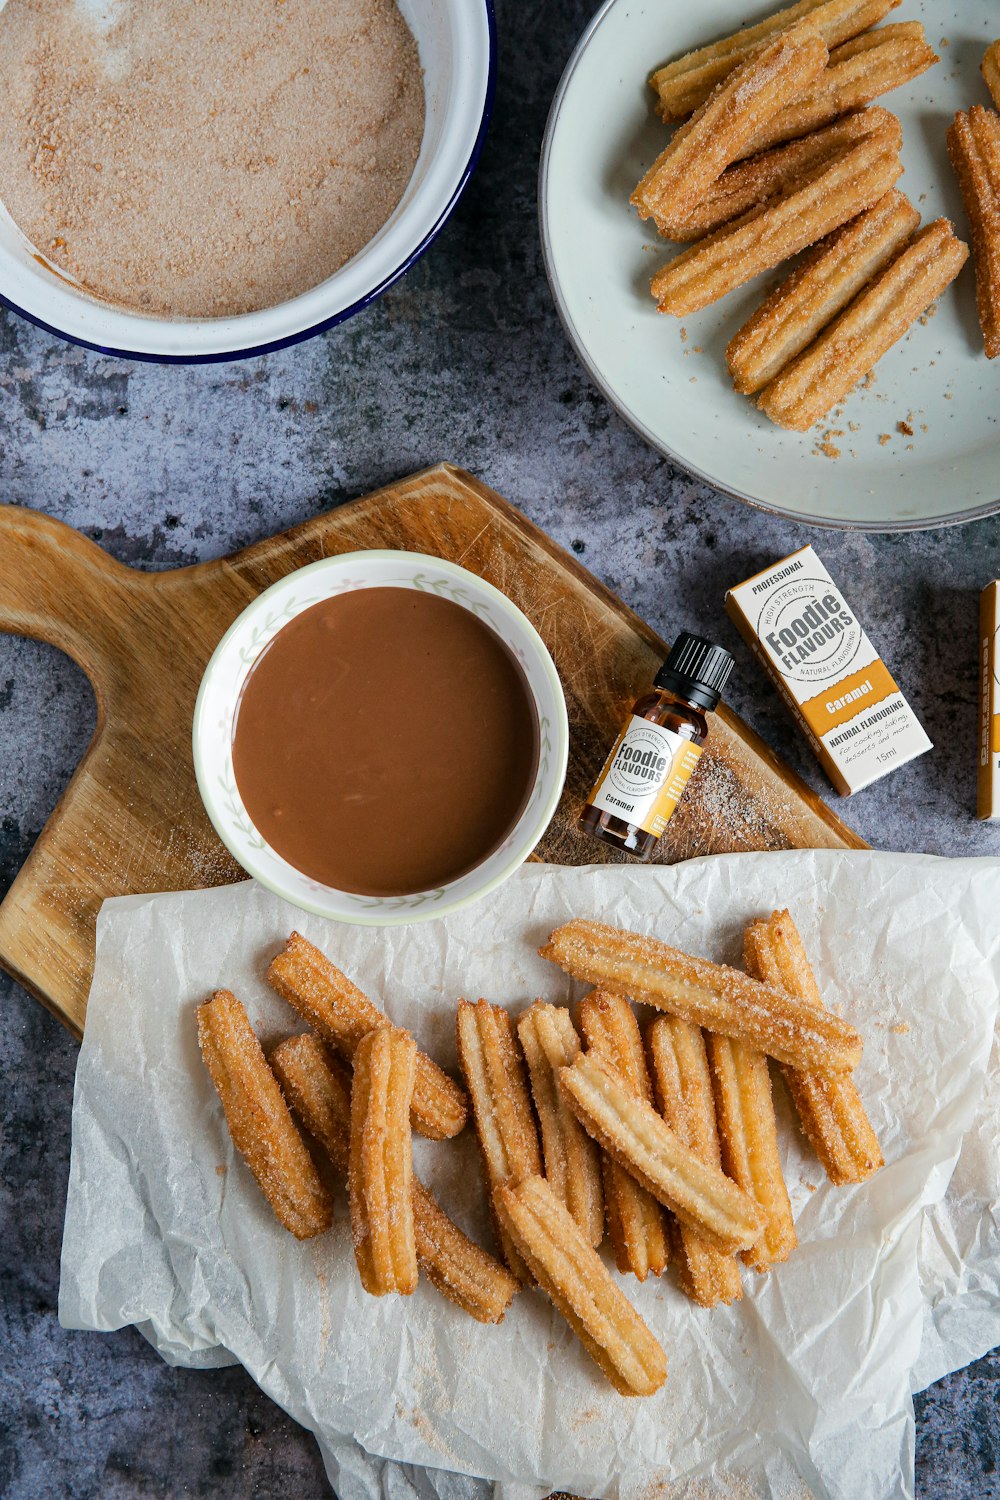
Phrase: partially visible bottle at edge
(649, 767)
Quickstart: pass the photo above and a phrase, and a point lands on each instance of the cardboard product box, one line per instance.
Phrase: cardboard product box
(989, 702)
(810, 642)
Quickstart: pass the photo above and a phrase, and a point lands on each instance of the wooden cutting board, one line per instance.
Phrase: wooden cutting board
(131, 819)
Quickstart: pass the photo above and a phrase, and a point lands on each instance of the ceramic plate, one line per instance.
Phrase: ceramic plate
(667, 377)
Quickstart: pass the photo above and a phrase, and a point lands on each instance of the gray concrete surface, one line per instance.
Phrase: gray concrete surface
(464, 360)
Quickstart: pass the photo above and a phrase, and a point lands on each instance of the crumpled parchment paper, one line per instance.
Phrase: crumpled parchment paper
(803, 1388)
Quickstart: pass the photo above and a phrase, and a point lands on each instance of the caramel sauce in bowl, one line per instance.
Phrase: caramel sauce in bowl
(381, 737)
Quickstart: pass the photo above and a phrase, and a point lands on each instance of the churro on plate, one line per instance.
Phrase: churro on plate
(684, 84)
(642, 1142)
(341, 1015)
(990, 69)
(770, 174)
(380, 1173)
(835, 192)
(748, 1136)
(974, 148)
(501, 1107)
(829, 1105)
(318, 1088)
(877, 318)
(636, 1221)
(817, 290)
(549, 1041)
(737, 111)
(858, 72)
(570, 1270)
(262, 1129)
(684, 1094)
(707, 994)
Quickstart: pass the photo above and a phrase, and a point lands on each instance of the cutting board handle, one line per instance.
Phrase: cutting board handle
(58, 586)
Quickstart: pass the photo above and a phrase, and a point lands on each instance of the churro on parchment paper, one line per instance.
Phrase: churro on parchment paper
(642, 1142)
(748, 1136)
(318, 1088)
(636, 1221)
(684, 84)
(549, 1041)
(858, 72)
(748, 184)
(570, 1270)
(380, 1168)
(719, 133)
(679, 1065)
(835, 192)
(501, 1107)
(877, 318)
(817, 290)
(991, 71)
(829, 1105)
(341, 1015)
(707, 994)
(262, 1129)
(974, 149)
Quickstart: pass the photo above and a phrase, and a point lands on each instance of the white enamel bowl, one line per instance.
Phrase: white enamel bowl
(252, 632)
(457, 45)
(672, 386)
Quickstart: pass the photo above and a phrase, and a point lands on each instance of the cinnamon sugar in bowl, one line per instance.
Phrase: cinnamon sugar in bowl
(237, 180)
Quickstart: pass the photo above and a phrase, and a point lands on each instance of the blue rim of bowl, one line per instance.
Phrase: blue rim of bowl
(964, 518)
(348, 312)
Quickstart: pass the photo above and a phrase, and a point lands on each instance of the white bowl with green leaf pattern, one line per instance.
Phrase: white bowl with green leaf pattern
(253, 631)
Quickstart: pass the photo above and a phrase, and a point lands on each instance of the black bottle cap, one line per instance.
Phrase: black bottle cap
(696, 670)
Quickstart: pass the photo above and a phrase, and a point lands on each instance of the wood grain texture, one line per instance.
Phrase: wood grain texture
(131, 819)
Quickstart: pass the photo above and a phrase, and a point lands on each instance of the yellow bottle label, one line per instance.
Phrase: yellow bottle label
(645, 775)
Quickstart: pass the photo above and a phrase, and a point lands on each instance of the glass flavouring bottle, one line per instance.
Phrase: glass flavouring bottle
(653, 758)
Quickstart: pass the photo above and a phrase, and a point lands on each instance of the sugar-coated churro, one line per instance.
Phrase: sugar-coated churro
(817, 290)
(748, 1135)
(318, 1088)
(641, 1141)
(501, 1107)
(341, 1015)
(991, 71)
(751, 182)
(570, 1270)
(858, 72)
(681, 86)
(974, 148)
(851, 347)
(635, 1219)
(380, 1175)
(829, 1105)
(741, 107)
(684, 1094)
(780, 228)
(460, 1269)
(262, 1129)
(572, 1162)
(710, 995)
